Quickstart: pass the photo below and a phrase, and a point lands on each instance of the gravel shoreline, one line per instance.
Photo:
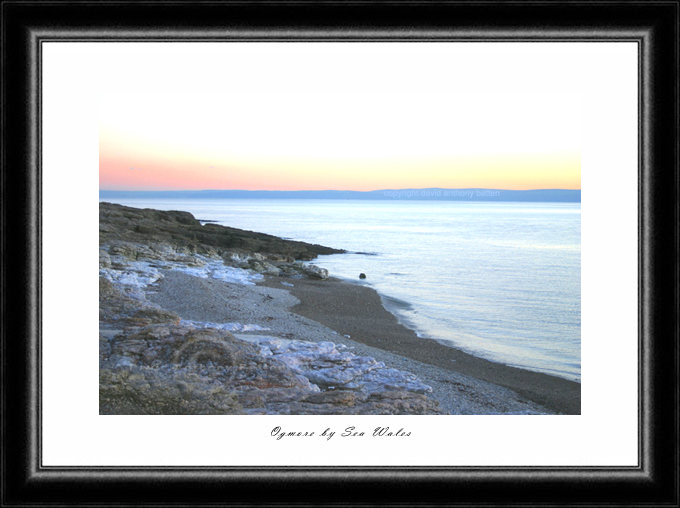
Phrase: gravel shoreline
(357, 311)
(330, 310)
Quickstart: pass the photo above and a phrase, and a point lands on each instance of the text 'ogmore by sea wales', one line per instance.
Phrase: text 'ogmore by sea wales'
(352, 432)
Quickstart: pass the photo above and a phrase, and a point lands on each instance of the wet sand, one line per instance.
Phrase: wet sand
(357, 311)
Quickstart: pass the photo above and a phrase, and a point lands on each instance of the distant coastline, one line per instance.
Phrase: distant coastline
(429, 194)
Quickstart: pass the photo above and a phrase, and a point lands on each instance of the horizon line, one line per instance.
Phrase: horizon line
(336, 190)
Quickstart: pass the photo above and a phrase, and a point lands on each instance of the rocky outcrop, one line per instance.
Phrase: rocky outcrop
(179, 369)
(119, 223)
(135, 245)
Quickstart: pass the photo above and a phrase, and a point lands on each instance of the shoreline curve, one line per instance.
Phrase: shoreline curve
(358, 311)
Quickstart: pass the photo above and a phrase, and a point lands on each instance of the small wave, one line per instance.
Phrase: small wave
(365, 253)
(396, 303)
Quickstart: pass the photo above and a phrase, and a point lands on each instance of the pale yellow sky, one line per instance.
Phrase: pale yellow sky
(339, 138)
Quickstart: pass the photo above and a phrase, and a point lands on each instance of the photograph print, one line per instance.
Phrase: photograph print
(385, 244)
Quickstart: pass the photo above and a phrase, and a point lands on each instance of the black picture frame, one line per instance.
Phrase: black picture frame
(653, 25)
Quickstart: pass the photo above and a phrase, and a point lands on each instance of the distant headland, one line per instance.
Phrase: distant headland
(430, 194)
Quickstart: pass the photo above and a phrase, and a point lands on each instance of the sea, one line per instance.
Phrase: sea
(499, 280)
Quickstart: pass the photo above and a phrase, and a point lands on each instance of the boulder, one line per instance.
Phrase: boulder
(312, 271)
(317, 272)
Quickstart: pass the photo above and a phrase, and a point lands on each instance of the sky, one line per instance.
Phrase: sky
(270, 119)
